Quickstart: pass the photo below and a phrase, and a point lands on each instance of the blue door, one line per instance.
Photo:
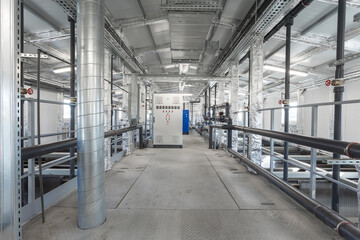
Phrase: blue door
(185, 121)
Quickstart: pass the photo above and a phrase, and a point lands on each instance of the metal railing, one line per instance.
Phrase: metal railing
(343, 226)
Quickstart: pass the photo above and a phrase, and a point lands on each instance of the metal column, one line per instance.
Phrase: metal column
(338, 92)
(288, 24)
(313, 160)
(72, 93)
(10, 190)
(90, 130)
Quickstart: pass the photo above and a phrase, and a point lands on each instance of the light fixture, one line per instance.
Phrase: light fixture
(62, 69)
(188, 85)
(183, 68)
(193, 67)
(170, 66)
(187, 94)
(282, 70)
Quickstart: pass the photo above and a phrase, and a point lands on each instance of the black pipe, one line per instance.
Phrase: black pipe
(288, 24)
(39, 138)
(34, 151)
(351, 149)
(146, 92)
(229, 134)
(205, 106)
(210, 137)
(209, 111)
(338, 92)
(72, 93)
(292, 14)
(344, 227)
(215, 96)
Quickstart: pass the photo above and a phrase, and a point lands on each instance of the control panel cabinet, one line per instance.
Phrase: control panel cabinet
(168, 120)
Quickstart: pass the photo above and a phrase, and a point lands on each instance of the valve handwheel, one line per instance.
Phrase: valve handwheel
(30, 91)
(280, 102)
(328, 83)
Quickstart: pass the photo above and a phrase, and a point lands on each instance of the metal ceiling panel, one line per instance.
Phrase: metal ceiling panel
(161, 33)
(139, 37)
(189, 30)
(122, 9)
(237, 9)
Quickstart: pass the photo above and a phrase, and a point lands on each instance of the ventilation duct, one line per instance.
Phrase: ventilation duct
(90, 116)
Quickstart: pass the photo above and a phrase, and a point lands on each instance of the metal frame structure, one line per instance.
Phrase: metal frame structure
(10, 163)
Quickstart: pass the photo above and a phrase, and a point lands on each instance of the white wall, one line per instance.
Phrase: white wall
(351, 113)
(48, 114)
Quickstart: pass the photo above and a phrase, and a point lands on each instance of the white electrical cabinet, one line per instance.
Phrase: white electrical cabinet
(167, 127)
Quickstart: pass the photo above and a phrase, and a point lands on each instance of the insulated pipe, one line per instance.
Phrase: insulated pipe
(72, 93)
(343, 226)
(34, 151)
(90, 114)
(338, 96)
(288, 24)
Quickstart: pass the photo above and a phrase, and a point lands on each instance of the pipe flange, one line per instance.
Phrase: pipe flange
(348, 148)
(339, 225)
(73, 99)
(286, 101)
(337, 82)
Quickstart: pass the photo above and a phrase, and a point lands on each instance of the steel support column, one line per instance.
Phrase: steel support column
(10, 129)
(90, 130)
(72, 93)
(338, 92)
(288, 24)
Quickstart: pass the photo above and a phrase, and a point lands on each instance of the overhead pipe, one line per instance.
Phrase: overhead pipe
(343, 226)
(289, 22)
(292, 14)
(338, 96)
(90, 114)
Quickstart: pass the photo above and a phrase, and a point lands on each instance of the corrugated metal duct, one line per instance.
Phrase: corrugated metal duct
(90, 114)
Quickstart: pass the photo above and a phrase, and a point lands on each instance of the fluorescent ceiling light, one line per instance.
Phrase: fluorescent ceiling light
(193, 67)
(170, 66)
(62, 69)
(188, 85)
(187, 94)
(282, 70)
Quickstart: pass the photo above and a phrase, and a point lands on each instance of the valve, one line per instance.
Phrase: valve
(30, 91)
(328, 83)
(245, 107)
(280, 102)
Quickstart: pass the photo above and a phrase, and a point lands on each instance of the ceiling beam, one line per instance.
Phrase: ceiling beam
(182, 78)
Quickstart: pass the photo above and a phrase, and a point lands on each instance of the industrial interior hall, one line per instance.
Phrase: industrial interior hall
(179, 119)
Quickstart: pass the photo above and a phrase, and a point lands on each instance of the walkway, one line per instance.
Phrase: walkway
(190, 193)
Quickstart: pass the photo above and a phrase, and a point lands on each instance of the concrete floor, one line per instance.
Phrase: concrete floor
(189, 193)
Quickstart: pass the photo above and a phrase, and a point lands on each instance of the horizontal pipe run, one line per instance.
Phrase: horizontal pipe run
(39, 150)
(351, 149)
(343, 226)
(47, 101)
(309, 105)
(47, 135)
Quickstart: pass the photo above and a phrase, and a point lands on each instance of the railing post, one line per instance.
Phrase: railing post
(210, 137)
(229, 135)
(272, 117)
(244, 135)
(313, 160)
(141, 139)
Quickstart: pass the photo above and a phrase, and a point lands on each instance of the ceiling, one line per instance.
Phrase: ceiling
(187, 37)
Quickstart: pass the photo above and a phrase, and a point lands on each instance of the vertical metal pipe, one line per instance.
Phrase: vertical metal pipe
(205, 107)
(72, 93)
(210, 137)
(31, 162)
(338, 92)
(313, 160)
(288, 24)
(215, 96)
(141, 137)
(90, 116)
(146, 92)
(229, 135)
(111, 103)
(38, 134)
(209, 110)
(272, 118)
